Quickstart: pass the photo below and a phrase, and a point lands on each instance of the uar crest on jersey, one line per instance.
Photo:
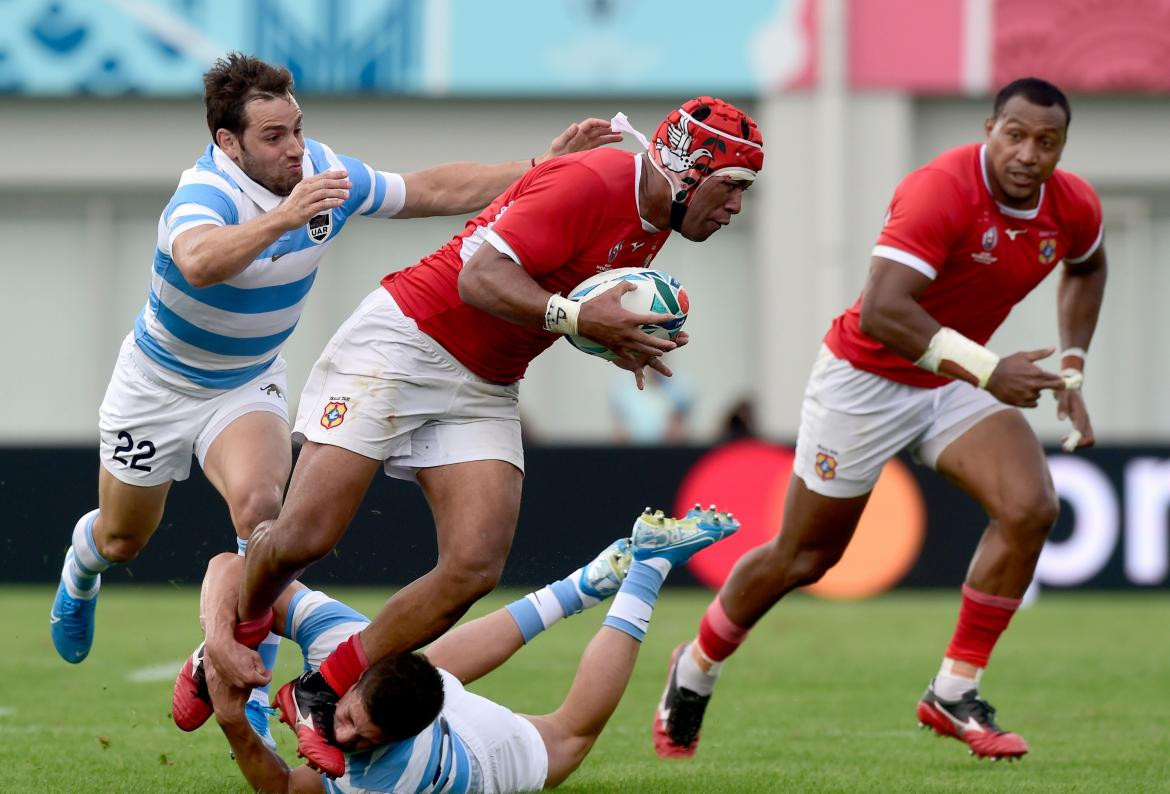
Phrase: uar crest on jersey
(319, 226)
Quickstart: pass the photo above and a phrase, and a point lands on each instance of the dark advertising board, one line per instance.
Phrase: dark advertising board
(918, 531)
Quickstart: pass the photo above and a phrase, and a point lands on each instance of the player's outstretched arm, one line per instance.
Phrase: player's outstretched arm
(210, 254)
(263, 769)
(1078, 300)
(462, 188)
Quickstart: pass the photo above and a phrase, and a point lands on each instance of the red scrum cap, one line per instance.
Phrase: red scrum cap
(704, 137)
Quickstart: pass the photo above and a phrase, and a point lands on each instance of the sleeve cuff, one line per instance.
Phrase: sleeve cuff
(1076, 260)
(906, 258)
(501, 245)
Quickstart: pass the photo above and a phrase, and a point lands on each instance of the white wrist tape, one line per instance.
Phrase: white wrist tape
(1073, 378)
(950, 345)
(1079, 352)
(560, 315)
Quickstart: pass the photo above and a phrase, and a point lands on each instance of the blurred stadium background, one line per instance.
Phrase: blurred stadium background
(100, 111)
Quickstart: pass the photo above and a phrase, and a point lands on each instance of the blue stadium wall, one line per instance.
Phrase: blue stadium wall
(1112, 532)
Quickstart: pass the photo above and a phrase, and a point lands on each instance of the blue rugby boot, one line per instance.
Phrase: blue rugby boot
(72, 617)
(602, 577)
(678, 539)
(258, 713)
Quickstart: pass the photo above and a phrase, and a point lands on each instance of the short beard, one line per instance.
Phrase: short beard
(248, 166)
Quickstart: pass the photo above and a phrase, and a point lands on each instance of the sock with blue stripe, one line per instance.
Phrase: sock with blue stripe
(268, 646)
(634, 602)
(83, 563)
(537, 611)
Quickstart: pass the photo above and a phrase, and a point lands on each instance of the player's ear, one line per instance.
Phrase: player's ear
(988, 126)
(226, 139)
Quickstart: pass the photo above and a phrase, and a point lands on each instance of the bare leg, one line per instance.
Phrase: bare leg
(474, 649)
(1000, 462)
(248, 463)
(129, 515)
(602, 675)
(327, 487)
(815, 532)
(475, 506)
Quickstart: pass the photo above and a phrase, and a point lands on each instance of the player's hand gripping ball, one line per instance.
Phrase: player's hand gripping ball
(656, 293)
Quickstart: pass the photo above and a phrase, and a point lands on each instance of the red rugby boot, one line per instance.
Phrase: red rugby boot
(970, 719)
(306, 705)
(190, 701)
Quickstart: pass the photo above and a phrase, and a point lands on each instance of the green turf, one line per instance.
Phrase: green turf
(821, 698)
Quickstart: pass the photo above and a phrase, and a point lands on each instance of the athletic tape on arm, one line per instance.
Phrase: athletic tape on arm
(950, 345)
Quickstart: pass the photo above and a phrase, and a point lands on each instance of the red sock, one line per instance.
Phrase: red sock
(252, 632)
(345, 665)
(982, 618)
(718, 636)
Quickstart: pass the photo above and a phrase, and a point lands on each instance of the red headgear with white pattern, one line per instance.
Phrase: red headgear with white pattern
(704, 137)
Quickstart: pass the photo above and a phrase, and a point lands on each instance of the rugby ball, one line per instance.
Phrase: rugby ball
(656, 293)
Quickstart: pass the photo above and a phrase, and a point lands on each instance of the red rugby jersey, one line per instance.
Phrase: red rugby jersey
(565, 220)
(983, 257)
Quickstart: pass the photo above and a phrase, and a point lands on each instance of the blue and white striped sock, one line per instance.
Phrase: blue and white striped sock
(241, 546)
(83, 562)
(634, 602)
(537, 611)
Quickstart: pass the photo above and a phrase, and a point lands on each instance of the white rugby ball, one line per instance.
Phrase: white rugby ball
(656, 293)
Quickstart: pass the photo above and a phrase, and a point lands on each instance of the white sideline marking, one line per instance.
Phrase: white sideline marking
(156, 672)
(5, 711)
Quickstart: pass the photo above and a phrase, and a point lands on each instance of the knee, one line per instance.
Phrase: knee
(800, 567)
(120, 549)
(258, 505)
(1032, 515)
(466, 579)
(117, 543)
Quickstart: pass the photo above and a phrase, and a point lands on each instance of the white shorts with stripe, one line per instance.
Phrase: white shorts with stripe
(852, 422)
(385, 390)
(150, 430)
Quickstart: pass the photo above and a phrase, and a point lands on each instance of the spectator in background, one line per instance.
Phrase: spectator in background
(657, 415)
(740, 421)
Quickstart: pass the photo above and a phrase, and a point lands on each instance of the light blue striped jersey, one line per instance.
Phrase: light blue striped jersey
(222, 336)
(437, 759)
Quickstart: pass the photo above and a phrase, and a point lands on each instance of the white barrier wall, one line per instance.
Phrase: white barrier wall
(79, 205)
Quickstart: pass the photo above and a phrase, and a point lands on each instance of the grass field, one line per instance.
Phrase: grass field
(820, 699)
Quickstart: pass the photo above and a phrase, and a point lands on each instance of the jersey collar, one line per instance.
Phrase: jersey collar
(264, 198)
(1011, 212)
(646, 225)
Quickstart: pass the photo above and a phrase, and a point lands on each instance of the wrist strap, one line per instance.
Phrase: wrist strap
(950, 345)
(560, 315)
(1079, 352)
(1073, 378)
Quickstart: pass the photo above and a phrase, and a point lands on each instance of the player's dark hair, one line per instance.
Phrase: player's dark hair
(1037, 91)
(403, 693)
(236, 80)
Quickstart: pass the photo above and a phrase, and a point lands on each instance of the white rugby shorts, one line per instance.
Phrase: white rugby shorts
(852, 422)
(384, 389)
(510, 752)
(149, 430)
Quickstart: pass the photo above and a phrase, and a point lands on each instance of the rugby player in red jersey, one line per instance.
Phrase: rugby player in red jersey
(422, 380)
(966, 238)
